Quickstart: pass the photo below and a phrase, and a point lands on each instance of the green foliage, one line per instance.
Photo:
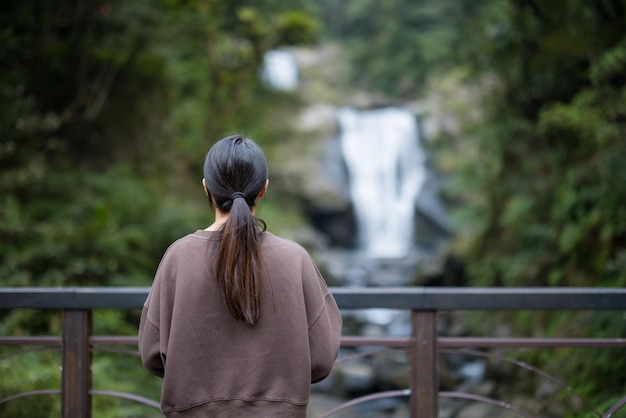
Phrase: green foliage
(394, 45)
(85, 229)
(19, 375)
(94, 152)
(547, 175)
(105, 111)
(538, 175)
(216, 68)
(112, 371)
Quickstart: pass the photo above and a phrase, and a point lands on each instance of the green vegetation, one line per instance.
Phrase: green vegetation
(550, 176)
(106, 110)
(534, 175)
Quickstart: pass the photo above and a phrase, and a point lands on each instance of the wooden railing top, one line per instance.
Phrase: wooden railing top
(413, 298)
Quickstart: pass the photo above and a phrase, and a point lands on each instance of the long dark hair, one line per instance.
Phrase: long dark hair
(235, 172)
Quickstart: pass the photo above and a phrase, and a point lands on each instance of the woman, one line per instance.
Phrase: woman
(239, 322)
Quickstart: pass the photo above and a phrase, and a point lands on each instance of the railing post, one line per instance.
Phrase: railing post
(76, 379)
(424, 363)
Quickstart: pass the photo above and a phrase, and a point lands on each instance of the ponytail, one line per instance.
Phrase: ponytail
(235, 172)
(238, 265)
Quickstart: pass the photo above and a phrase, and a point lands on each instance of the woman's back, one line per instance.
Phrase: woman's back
(238, 322)
(222, 367)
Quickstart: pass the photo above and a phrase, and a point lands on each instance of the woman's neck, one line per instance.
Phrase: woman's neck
(220, 220)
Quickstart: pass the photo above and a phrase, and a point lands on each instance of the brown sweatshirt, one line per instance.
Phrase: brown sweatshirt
(215, 366)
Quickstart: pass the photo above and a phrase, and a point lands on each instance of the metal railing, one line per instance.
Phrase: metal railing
(424, 344)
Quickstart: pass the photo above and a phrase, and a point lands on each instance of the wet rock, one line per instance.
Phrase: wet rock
(483, 410)
(357, 376)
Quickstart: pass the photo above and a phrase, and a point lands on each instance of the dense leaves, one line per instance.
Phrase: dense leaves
(552, 141)
(106, 108)
(539, 187)
(103, 105)
(538, 90)
(533, 167)
(395, 45)
(106, 111)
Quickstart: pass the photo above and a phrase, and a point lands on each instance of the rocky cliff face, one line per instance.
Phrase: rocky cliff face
(312, 172)
(311, 169)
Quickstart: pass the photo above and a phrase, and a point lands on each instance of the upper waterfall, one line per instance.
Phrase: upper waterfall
(280, 70)
(385, 163)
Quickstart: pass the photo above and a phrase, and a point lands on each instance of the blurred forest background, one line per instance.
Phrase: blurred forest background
(108, 107)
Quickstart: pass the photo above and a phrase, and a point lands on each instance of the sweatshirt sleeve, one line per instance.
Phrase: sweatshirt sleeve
(149, 337)
(154, 324)
(324, 340)
(324, 325)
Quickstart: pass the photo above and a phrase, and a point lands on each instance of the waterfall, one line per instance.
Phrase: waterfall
(385, 163)
(280, 70)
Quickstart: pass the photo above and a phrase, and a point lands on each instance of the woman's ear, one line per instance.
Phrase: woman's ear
(206, 191)
(264, 190)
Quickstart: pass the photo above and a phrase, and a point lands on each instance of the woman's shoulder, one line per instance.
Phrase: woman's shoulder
(283, 244)
(185, 243)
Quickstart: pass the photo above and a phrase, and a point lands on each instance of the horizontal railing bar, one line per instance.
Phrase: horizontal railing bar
(355, 341)
(58, 341)
(48, 341)
(394, 342)
(470, 298)
(73, 297)
(113, 340)
(458, 342)
(455, 342)
(414, 298)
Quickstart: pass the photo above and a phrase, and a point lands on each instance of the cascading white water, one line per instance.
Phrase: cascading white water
(386, 168)
(280, 70)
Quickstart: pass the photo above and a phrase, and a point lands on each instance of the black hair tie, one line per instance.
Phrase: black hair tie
(236, 195)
